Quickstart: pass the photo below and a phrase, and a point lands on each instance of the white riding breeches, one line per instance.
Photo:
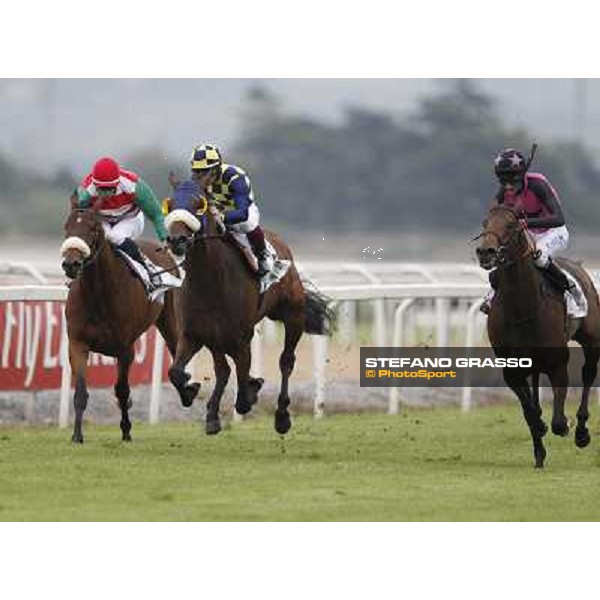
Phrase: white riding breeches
(549, 243)
(130, 227)
(239, 230)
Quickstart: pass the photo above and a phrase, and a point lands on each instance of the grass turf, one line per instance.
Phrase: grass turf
(427, 464)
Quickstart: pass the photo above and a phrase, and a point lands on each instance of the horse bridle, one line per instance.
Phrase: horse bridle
(503, 245)
(94, 245)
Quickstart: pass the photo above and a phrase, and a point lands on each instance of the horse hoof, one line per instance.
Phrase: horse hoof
(243, 407)
(539, 465)
(582, 438)
(283, 422)
(178, 377)
(77, 439)
(560, 429)
(189, 394)
(212, 427)
(126, 437)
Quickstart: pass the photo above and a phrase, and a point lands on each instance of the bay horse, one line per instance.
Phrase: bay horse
(107, 308)
(528, 318)
(221, 303)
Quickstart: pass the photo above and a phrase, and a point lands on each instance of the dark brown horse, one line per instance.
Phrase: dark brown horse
(108, 309)
(528, 319)
(221, 303)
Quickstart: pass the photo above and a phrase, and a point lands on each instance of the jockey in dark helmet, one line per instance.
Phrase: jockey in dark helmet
(542, 213)
(229, 191)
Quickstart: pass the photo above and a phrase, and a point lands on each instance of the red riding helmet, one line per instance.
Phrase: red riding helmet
(106, 173)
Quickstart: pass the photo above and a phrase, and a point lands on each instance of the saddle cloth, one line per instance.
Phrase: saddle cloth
(278, 270)
(576, 301)
(161, 281)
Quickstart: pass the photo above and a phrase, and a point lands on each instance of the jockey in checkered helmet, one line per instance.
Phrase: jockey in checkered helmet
(230, 192)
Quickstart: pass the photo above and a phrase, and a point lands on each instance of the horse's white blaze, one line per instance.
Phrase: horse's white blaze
(180, 215)
(75, 243)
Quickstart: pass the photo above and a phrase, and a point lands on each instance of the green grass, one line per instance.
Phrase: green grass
(434, 464)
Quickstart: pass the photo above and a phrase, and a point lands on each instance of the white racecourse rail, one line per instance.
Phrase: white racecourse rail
(404, 293)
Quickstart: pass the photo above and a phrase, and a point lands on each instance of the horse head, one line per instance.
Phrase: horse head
(186, 214)
(83, 239)
(503, 238)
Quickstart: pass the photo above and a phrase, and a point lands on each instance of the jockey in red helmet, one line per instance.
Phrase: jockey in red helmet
(535, 197)
(229, 189)
(122, 198)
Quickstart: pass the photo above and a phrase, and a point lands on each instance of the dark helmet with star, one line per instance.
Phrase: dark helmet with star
(510, 164)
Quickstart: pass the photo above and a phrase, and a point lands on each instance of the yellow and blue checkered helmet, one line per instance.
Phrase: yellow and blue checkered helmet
(205, 156)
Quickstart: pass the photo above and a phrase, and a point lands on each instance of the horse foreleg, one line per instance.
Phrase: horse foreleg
(78, 357)
(222, 372)
(167, 323)
(559, 379)
(588, 375)
(294, 326)
(186, 348)
(535, 389)
(122, 392)
(531, 412)
(244, 399)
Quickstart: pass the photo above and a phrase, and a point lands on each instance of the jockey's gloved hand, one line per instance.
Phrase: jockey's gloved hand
(215, 212)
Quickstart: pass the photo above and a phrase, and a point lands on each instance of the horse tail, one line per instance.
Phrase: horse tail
(319, 315)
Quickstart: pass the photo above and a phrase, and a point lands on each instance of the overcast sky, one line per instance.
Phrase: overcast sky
(50, 122)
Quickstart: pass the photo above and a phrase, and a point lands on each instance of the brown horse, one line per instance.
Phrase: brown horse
(528, 319)
(221, 303)
(108, 309)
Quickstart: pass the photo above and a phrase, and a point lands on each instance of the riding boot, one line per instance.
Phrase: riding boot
(557, 277)
(131, 249)
(487, 301)
(257, 241)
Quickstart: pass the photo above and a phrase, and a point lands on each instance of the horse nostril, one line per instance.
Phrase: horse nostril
(72, 268)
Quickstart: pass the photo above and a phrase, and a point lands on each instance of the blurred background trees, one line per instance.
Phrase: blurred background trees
(430, 169)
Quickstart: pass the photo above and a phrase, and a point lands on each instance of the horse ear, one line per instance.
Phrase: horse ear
(74, 199)
(95, 206)
(173, 180)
